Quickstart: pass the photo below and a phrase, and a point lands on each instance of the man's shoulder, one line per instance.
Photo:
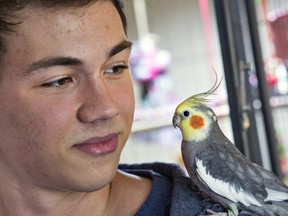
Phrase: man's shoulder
(172, 189)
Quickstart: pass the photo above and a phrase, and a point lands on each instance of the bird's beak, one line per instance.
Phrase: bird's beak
(176, 120)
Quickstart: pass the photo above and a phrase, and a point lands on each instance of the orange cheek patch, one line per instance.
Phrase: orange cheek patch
(196, 122)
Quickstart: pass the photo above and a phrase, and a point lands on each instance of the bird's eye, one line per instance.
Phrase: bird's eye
(186, 113)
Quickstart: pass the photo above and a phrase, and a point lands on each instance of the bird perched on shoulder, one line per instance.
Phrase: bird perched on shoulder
(219, 169)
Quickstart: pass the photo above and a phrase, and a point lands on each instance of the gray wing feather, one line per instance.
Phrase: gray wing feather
(225, 162)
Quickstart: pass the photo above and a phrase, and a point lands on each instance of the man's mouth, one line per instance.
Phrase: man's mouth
(97, 146)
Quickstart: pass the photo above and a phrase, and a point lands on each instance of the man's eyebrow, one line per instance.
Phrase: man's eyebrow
(71, 61)
(52, 62)
(120, 47)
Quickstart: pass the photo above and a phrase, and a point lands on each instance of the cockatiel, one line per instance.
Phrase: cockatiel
(219, 169)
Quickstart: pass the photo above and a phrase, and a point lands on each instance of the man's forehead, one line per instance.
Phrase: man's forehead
(38, 11)
(33, 16)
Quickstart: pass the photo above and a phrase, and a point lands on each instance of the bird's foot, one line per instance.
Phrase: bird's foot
(230, 213)
(210, 212)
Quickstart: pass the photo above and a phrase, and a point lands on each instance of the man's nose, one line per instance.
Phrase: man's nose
(97, 102)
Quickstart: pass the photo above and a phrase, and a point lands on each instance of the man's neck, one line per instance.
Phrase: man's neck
(34, 202)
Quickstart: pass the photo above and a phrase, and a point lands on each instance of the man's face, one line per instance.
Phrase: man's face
(66, 98)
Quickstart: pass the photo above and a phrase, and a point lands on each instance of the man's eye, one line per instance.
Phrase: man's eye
(116, 69)
(57, 83)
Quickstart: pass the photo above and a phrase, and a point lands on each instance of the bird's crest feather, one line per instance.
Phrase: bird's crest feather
(203, 97)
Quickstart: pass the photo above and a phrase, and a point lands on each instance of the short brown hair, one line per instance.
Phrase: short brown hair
(9, 8)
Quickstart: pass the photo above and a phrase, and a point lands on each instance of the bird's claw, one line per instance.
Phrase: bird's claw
(210, 212)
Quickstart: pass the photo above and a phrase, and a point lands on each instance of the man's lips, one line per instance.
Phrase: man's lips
(99, 145)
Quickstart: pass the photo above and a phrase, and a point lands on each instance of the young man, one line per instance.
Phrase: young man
(66, 109)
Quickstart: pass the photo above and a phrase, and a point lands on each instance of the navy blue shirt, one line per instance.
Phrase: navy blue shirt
(159, 200)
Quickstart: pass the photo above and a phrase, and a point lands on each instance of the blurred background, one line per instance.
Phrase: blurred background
(180, 46)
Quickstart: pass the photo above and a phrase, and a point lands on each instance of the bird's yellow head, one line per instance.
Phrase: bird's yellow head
(194, 118)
